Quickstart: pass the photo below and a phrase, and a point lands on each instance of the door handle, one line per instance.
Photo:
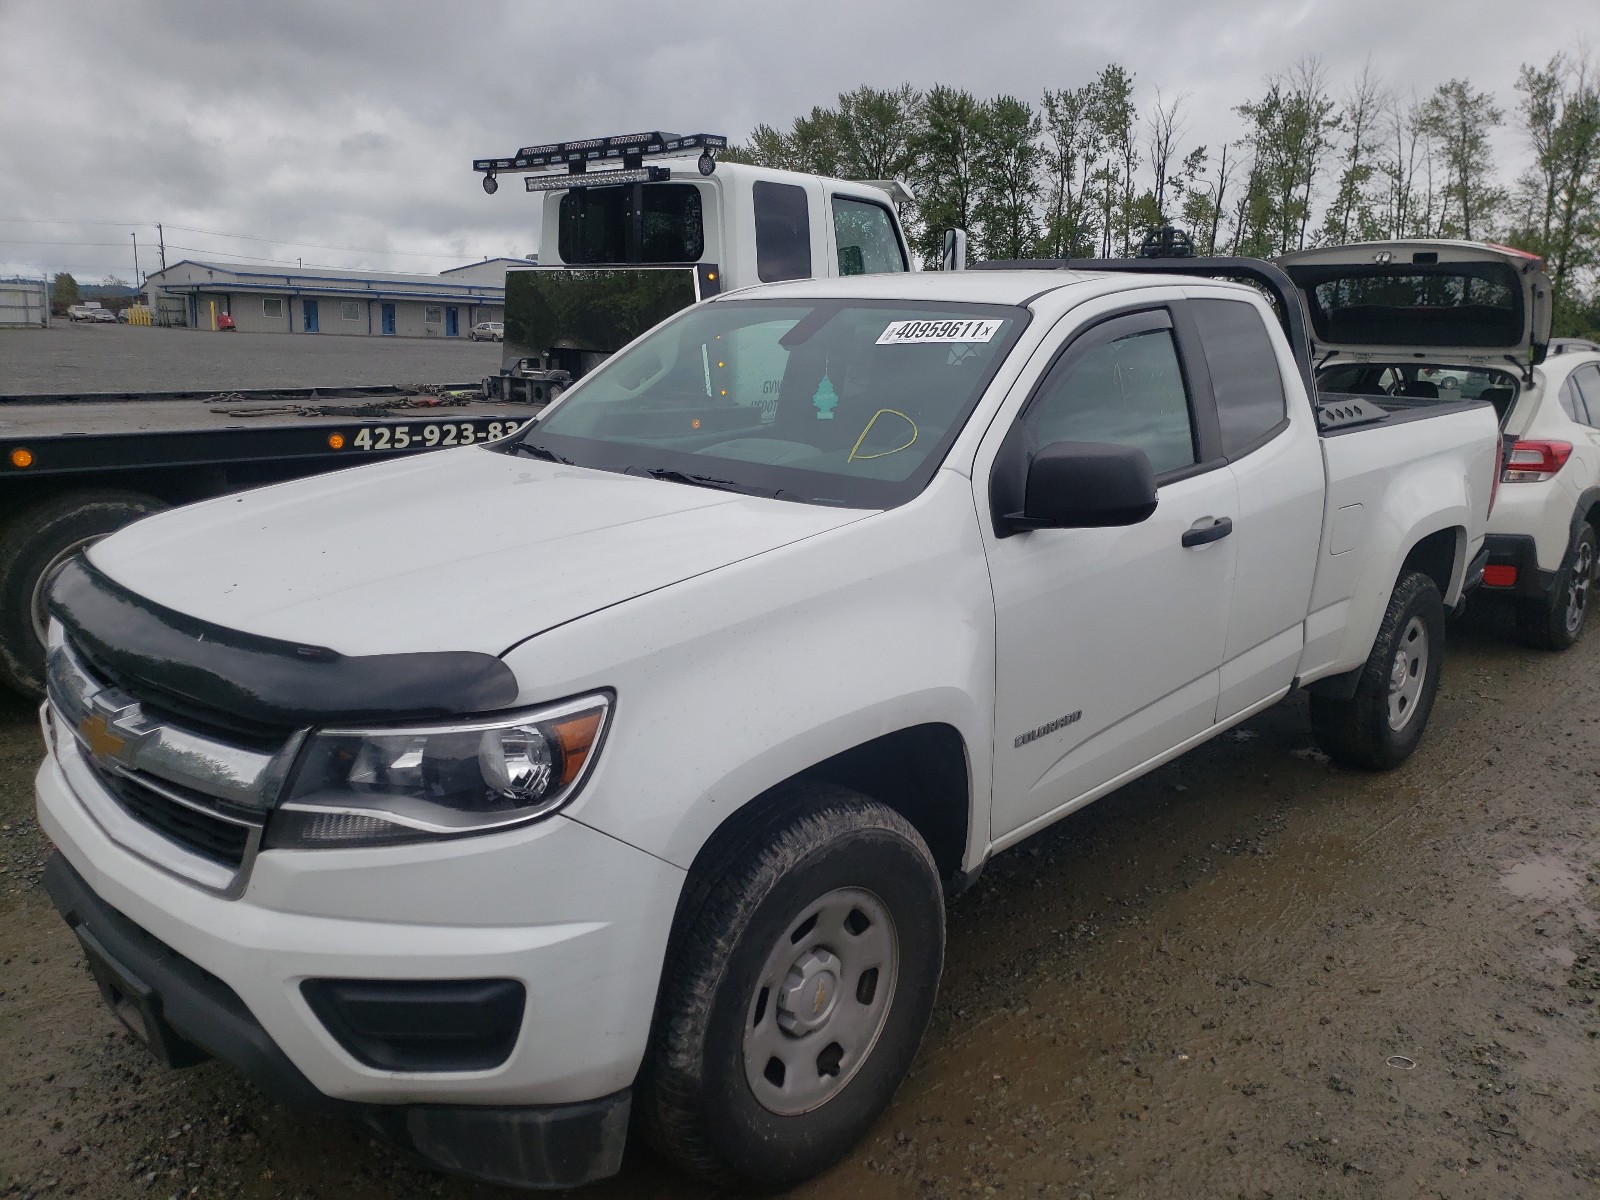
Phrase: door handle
(1207, 530)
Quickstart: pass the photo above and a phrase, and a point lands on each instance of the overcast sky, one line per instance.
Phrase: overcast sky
(342, 132)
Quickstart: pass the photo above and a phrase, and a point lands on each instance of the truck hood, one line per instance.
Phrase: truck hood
(1456, 302)
(455, 550)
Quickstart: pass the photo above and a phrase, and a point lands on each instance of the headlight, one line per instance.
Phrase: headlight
(379, 787)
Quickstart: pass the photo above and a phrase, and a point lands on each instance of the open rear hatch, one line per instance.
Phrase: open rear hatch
(1455, 303)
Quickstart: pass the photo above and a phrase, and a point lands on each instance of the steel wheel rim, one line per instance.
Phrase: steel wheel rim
(821, 1001)
(1407, 673)
(1578, 586)
(38, 605)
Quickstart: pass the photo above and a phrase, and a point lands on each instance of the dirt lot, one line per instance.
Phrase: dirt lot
(1201, 986)
(92, 357)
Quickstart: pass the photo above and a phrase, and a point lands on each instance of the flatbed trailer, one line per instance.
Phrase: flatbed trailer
(77, 466)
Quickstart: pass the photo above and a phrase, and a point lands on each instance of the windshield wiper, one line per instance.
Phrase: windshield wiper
(534, 450)
(705, 481)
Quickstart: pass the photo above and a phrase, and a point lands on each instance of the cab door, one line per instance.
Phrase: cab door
(1109, 641)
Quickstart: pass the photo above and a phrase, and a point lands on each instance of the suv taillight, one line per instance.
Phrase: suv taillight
(1534, 462)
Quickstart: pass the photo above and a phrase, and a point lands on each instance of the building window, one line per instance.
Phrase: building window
(350, 310)
(272, 306)
(433, 316)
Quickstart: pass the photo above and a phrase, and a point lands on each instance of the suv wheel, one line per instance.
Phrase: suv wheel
(1555, 624)
(795, 993)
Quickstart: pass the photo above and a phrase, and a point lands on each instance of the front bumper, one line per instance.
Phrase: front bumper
(184, 1013)
(578, 918)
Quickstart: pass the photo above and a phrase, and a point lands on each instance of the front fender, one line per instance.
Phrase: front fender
(733, 681)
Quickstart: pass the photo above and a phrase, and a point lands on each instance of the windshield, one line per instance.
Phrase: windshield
(851, 403)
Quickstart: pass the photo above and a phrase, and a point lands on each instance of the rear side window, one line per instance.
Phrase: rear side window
(866, 238)
(1129, 392)
(783, 232)
(1587, 380)
(1245, 376)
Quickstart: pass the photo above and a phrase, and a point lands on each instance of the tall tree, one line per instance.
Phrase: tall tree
(1559, 194)
(63, 292)
(1205, 201)
(1117, 120)
(1457, 119)
(946, 150)
(1008, 179)
(876, 128)
(1353, 215)
(1166, 126)
(1072, 143)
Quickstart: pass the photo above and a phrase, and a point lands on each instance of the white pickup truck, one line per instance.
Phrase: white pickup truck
(623, 765)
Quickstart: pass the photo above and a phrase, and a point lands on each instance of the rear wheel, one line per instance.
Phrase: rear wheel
(35, 544)
(1556, 623)
(1379, 726)
(796, 995)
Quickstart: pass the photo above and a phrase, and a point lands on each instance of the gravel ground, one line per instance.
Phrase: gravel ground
(1197, 987)
(91, 357)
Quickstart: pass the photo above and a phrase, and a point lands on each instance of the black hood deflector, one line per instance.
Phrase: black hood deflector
(161, 654)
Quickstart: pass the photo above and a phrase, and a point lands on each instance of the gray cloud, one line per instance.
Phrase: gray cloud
(352, 124)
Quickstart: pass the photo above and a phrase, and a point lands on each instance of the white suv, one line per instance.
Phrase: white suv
(1543, 533)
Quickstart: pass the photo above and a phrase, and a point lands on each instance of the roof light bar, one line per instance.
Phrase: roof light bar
(600, 150)
(582, 179)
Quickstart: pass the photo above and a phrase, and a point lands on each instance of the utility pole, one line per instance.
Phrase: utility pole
(137, 282)
(161, 235)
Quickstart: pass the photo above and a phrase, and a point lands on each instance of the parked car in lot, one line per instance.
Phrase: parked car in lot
(84, 312)
(104, 315)
(1544, 534)
(1440, 318)
(622, 765)
(487, 331)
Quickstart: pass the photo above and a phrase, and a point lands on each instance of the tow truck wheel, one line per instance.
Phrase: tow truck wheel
(1555, 623)
(35, 543)
(1379, 726)
(799, 984)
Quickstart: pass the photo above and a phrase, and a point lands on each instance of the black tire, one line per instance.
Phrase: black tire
(1556, 623)
(695, 1101)
(1361, 731)
(34, 543)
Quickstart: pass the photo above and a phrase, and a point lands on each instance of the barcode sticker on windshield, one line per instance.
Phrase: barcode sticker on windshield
(901, 333)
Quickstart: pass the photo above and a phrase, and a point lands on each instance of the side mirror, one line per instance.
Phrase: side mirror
(1086, 485)
(954, 257)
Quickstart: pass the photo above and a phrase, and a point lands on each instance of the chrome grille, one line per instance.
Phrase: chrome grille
(180, 797)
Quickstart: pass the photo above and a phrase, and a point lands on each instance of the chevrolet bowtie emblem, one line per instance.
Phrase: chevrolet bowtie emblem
(102, 742)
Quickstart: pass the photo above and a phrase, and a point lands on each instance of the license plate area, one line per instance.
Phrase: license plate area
(137, 1005)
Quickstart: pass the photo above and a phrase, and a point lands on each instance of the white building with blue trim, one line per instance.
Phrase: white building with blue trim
(324, 301)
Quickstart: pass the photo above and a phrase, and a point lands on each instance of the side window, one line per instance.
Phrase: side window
(1244, 371)
(783, 232)
(1588, 381)
(865, 237)
(1571, 402)
(1128, 391)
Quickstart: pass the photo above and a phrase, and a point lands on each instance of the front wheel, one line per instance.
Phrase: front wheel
(1555, 624)
(1380, 726)
(796, 995)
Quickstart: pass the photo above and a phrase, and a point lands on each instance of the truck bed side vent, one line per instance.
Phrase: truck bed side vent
(1344, 411)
